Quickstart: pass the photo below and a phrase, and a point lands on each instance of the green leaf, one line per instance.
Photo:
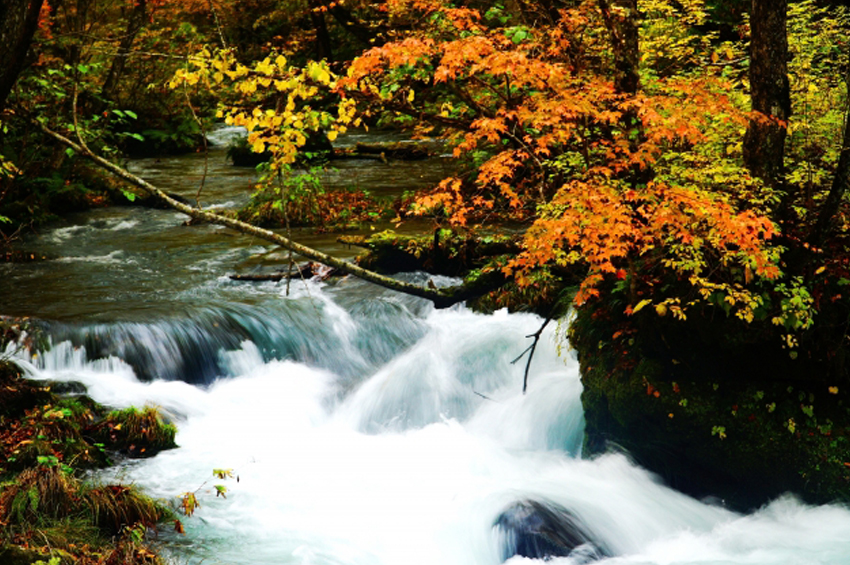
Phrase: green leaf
(137, 136)
(118, 113)
(128, 195)
(132, 114)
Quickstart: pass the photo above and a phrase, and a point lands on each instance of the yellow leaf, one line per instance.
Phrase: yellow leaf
(332, 135)
(820, 270)
(642, 304)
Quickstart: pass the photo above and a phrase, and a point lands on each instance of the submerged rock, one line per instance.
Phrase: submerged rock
(539, 530)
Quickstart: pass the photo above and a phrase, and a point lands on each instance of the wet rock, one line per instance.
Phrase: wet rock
(539, 530)
(69, 388)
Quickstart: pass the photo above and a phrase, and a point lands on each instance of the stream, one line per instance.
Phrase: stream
(365, 426)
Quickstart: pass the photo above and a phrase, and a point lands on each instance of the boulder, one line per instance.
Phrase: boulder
(542, 530)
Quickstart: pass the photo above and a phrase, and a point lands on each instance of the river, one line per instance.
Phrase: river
(365, 427)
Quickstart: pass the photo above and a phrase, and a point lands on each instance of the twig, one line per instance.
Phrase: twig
(285, 197)
(206, 148)
(530, 350)
(217, 24)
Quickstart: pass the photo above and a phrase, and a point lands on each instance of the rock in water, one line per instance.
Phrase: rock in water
(539, 530)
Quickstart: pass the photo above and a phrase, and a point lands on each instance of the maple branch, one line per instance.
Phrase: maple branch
(490, 87)
(537, 161)
(442, 298)
(463, 125)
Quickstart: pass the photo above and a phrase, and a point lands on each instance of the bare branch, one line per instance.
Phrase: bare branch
(530, 350)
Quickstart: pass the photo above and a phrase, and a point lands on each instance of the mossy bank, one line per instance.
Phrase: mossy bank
(714, 409)
(49, 509)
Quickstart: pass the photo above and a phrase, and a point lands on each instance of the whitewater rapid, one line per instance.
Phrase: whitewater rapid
(401, 445)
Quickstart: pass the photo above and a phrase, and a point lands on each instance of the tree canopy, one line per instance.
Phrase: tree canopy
(686, 158)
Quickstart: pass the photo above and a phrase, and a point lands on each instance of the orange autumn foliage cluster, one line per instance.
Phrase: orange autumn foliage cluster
(606, 176)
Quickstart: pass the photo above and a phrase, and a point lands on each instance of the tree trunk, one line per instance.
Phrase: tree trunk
(764, 142)
(134, 25)
(18, 22)
(323, 38)
(840, 186)
(621, 19)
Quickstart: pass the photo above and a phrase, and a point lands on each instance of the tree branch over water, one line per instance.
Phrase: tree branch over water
(442, 298)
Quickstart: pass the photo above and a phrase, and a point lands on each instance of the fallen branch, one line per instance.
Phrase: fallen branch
(530, 350)
(442, 298)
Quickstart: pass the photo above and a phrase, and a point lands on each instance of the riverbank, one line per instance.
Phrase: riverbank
(51, 435)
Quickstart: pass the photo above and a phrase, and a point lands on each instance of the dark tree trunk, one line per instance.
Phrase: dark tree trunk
(840, 186)
(323, 38)
(134, 25)
(764, 142)
(622, 24)
(18, 22)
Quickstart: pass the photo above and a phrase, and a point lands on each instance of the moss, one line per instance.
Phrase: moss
(135, 432)
(15, 555)
(707, 418)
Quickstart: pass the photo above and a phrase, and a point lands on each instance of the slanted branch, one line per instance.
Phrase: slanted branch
(442, 298)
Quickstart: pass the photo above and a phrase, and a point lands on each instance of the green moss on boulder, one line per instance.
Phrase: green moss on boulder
(712, 417)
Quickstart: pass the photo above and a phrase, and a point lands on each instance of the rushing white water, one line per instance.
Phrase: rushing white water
(414, 459)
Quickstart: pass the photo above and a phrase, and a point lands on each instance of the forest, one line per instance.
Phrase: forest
(666, 181)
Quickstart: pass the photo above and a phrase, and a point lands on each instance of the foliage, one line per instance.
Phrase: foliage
(299, 199)
(189, 500)
(645, 192)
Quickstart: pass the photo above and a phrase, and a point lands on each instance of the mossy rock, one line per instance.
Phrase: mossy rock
(15, 555)
(137, 433)
(18, 395)
(746, 435)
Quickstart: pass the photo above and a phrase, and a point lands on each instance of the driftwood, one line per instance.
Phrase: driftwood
(441, 297)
